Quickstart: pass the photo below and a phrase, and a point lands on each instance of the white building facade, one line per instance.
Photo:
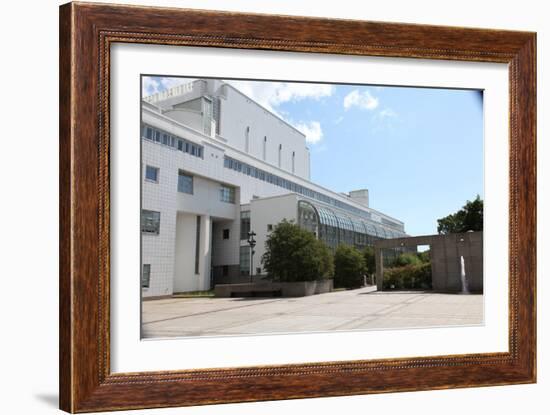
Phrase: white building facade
(215, 165)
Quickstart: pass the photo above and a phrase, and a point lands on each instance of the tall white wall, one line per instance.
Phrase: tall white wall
(206, 199)
(263, 214)
(158, 250)
(185, 278)
(239, 112)
(225, 251)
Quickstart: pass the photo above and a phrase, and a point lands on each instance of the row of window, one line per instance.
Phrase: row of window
(260, 174)
(162, 137)
(185, 184)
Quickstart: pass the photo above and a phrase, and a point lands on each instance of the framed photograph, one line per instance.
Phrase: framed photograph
(258, 207)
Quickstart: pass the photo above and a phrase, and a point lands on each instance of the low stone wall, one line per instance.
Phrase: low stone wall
(305, 288)
(269, 288)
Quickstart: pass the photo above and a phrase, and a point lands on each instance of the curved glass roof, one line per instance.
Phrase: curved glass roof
(340, 220)
(344, 221)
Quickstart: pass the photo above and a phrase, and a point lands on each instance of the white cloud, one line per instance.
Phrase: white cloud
(272, 94)
(363, 100)
(153, 84)
(387, 113)
(149, 85)
(312, 131)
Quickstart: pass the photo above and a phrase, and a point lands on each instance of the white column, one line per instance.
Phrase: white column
(205, 252)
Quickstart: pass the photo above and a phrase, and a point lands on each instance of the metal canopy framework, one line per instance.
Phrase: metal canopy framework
(336, 227)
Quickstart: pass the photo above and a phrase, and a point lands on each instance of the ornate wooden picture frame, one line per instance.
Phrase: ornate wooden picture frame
(87, 32)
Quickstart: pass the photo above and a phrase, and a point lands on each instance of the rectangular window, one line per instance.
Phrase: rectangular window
(197, 244)
(149, 133)
(152, 174)
(244, 260)
(227, 194)
(157, 136)
(146, 276)
(225, 270)
(150, 222)
(180, 145)
(185, 183)
(245, 225)
(165, 139)
(226, 234)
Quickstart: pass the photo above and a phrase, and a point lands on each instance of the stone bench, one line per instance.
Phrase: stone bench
(248, 289)
(270, 289)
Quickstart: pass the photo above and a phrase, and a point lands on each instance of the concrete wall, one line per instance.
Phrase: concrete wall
(185, 278)
(188, 117)
(446, 267)
(445, 256)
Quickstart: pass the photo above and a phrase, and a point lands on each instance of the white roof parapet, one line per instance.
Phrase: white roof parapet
(175, 91)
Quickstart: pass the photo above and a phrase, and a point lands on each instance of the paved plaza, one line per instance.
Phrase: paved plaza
(360, 309)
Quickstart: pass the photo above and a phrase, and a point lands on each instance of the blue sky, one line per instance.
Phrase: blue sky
(419, 151)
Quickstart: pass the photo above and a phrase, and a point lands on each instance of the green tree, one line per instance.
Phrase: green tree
(407, 259)
(294, 254)
(349, 267)
(469, 218)
(370, 262)
(424, 256)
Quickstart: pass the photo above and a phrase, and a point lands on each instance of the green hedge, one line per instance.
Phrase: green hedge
(408, 277)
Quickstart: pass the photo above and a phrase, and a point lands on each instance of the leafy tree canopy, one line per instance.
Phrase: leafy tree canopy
(469, 218)
(349, 267)
(370, 262)
(294, 254)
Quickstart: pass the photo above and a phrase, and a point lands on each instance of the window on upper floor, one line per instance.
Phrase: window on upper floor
(185, 183)
(152, 174)
(225, 234)
(227, 194)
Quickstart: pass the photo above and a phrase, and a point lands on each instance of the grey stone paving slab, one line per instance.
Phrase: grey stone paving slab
(360, 309)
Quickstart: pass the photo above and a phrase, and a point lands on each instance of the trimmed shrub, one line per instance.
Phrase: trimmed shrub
(408, 277)
(407, 259)
(349, 267)
(293, 254)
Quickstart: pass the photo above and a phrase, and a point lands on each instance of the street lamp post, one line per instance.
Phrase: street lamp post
(252, 242)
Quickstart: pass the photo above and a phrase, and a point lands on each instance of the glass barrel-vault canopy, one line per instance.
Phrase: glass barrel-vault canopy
(336, 227)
